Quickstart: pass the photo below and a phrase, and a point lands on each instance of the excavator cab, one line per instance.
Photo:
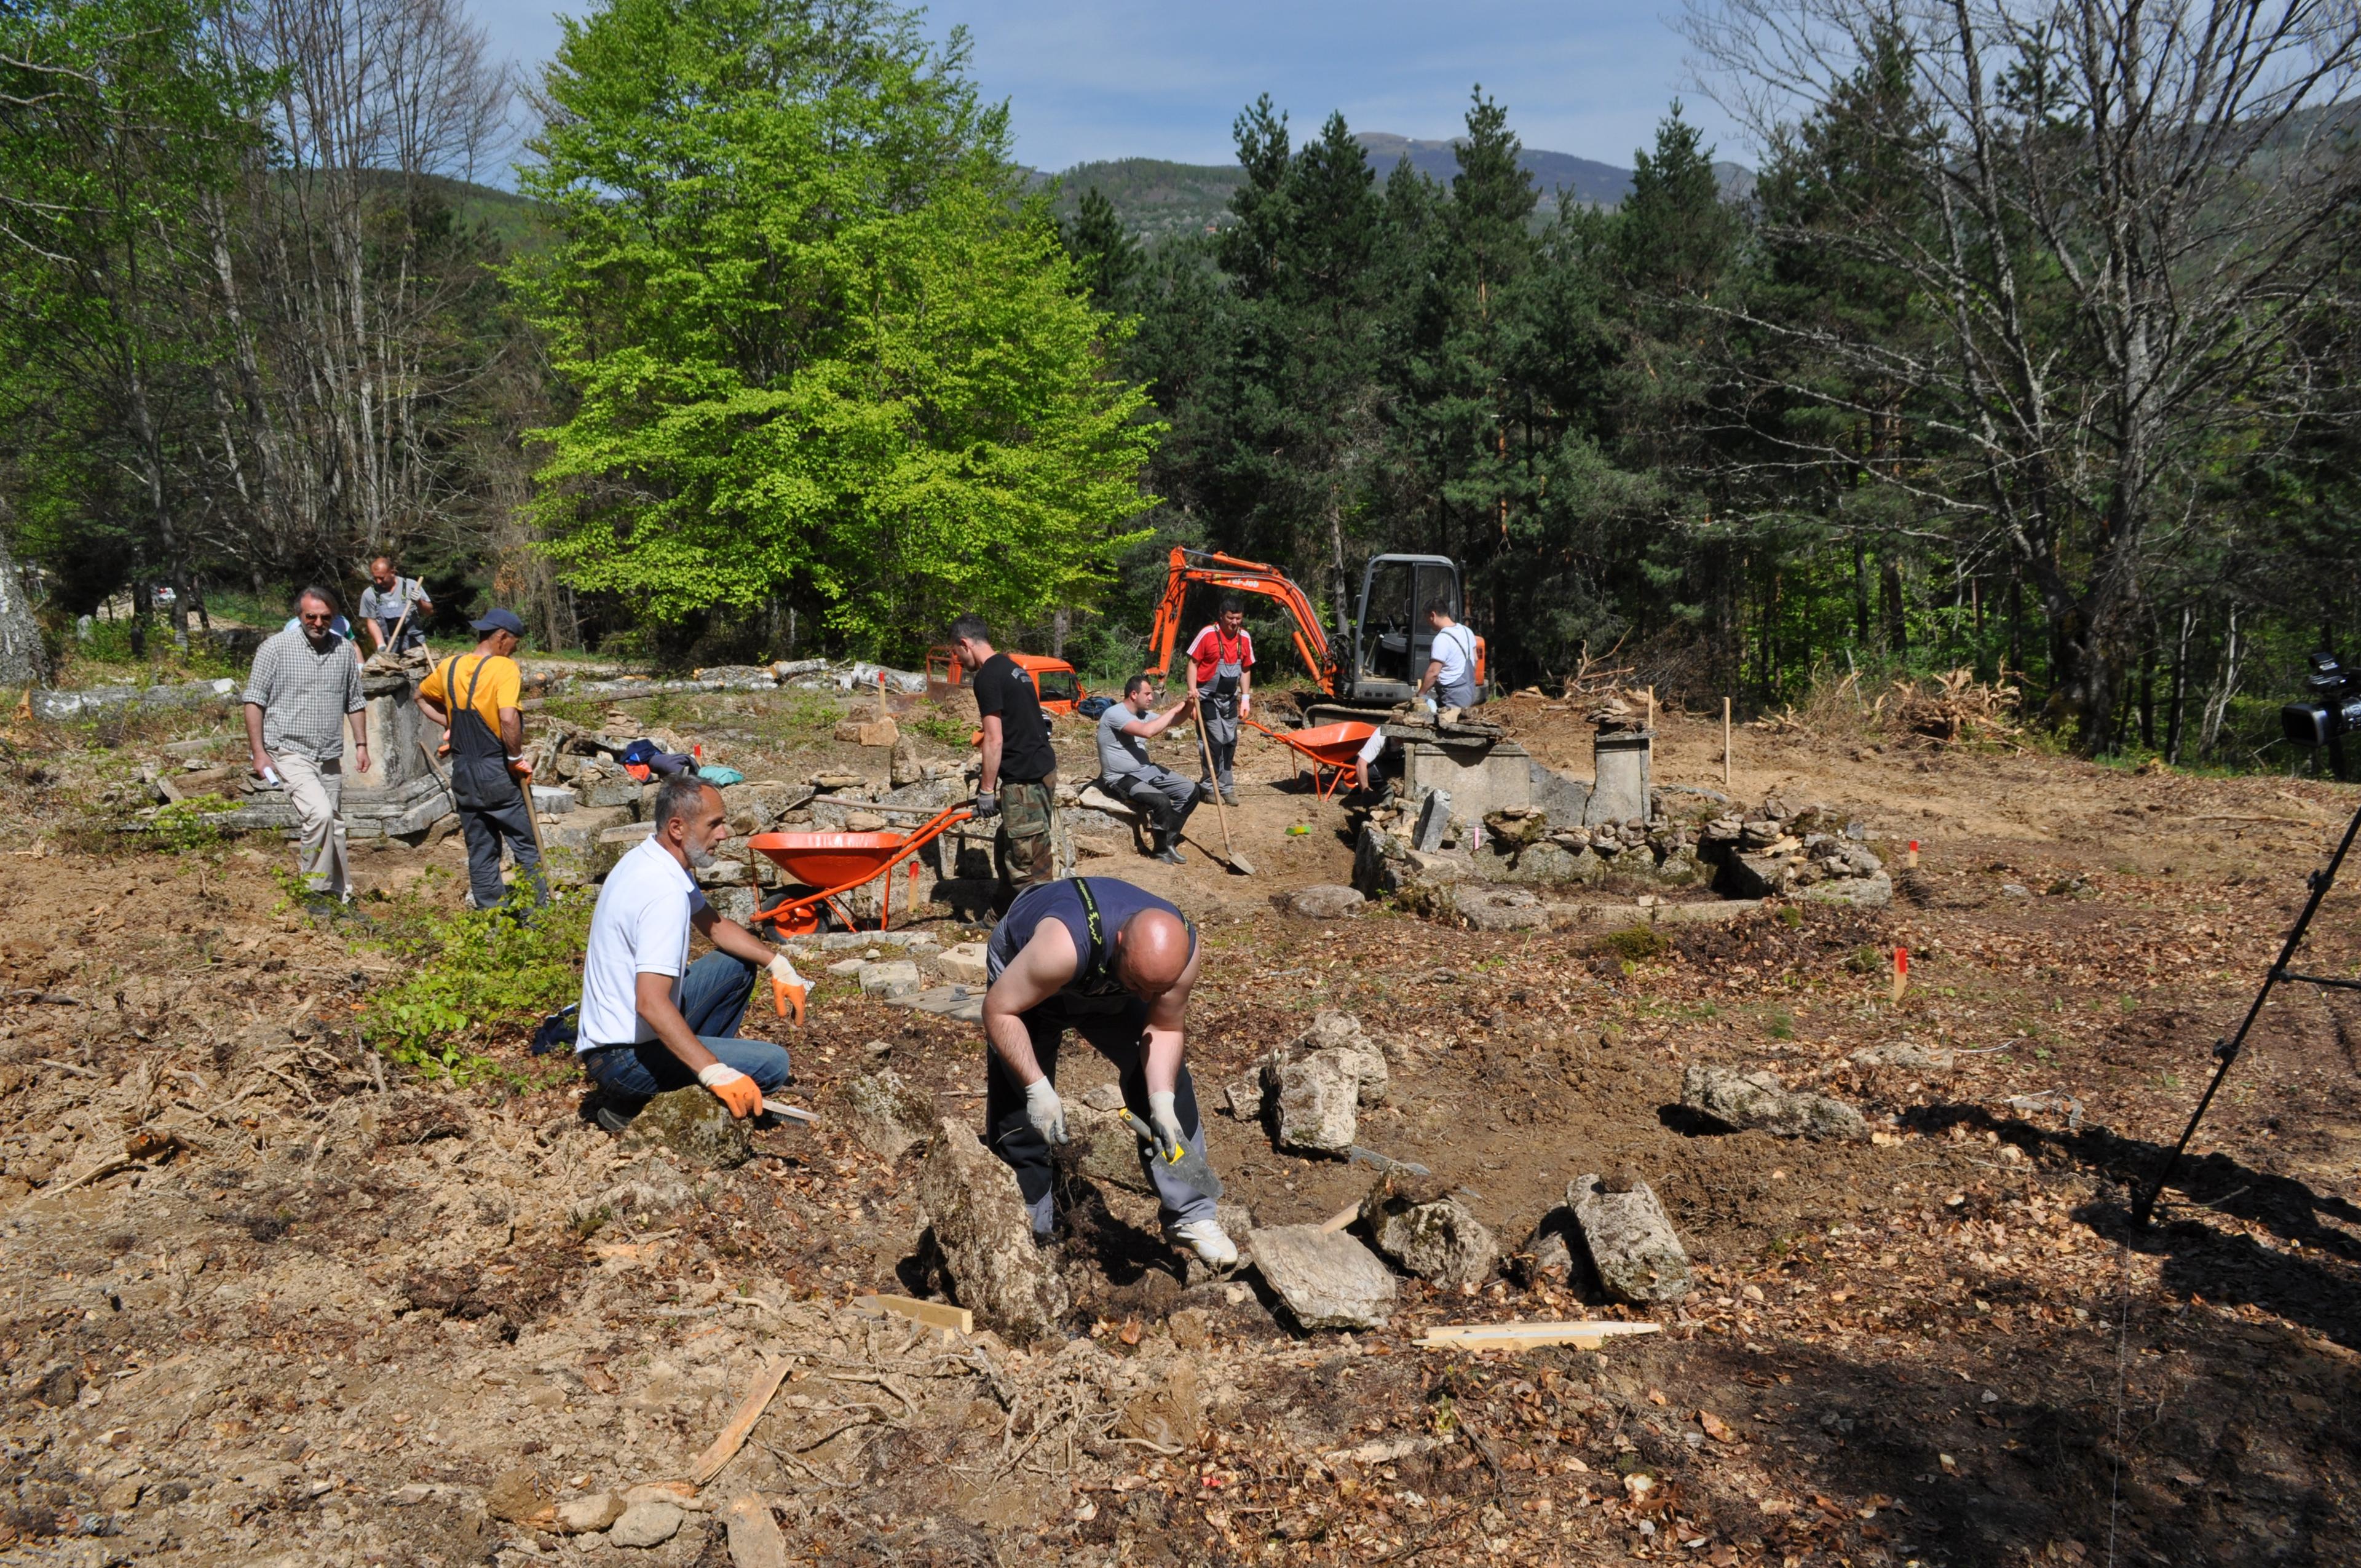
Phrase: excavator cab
(1393, 642)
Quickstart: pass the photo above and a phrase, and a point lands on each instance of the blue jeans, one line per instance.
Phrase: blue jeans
(712, 999)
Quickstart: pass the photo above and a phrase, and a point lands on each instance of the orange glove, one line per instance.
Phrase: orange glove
(788, 988)
(733, 1089)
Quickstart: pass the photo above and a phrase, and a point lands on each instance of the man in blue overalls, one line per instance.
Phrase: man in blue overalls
(474, 697)
(1116, 963)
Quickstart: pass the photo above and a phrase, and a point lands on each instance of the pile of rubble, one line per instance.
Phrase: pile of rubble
(802, 674)
(1444, 862)
(1778, 850)
(1343, 1273)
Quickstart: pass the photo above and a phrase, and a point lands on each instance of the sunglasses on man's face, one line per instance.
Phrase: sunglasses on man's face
(318, 620)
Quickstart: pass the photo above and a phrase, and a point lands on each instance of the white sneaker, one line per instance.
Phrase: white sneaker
(1207, 1240)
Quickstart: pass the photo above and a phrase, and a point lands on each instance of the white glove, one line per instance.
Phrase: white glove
(784, 972)
(1045, 1110)
(1166, 1121)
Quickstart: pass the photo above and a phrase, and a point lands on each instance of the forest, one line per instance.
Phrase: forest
(2030, 352)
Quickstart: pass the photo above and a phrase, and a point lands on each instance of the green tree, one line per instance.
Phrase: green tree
(818, 348)
(117, 121)
(1106, 256)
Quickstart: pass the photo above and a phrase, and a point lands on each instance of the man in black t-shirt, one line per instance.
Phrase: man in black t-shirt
(1019, 783)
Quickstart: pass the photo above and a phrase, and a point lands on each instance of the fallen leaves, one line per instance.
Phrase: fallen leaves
(1715, 1428)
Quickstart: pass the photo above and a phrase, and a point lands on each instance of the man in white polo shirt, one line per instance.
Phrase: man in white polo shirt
(651, 1021)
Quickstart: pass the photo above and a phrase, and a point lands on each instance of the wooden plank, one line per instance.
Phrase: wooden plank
(725, 1447)
(754, 1538)
(1592, 1335)
(934, 1314)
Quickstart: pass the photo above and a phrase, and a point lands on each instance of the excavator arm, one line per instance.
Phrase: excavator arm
(1217, 570)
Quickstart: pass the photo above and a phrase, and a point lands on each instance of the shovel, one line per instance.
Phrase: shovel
(1237, 861)
(1180, 1159)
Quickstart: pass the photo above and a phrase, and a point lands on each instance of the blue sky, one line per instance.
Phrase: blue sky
(1089, 79)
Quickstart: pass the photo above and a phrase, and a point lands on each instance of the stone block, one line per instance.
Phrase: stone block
(1429, 1232)
(609, 789)
(1104, 1149)
(882, 1112)
(1631, 1240)
(1434, 822)
(985, 1239)
(1327, 1279)
(1492, 908)
(613, 843)
(694, 1127)
(647, 1524)
(589, 1513)
(964, 964)
(1341, 1032)
(1316, 1096)
(1323, 901)
(1757, 1101)
(889, 978)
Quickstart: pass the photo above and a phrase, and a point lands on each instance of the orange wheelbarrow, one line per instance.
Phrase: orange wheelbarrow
(1330, 750)
(834, 863)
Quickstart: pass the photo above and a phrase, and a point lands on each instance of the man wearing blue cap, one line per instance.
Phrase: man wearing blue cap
(474, 697)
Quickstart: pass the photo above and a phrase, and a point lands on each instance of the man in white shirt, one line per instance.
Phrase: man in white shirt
(650, 1020)
(1451, 667)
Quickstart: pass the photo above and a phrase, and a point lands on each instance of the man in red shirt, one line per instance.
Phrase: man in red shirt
(1224, 654)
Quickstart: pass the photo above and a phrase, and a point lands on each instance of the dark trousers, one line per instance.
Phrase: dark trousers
(1164, 796)
(1118, 1032)
(713, 1000)
(486, 828)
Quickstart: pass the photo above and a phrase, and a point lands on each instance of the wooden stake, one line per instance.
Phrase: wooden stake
(1651, 709)
(750, 1409)
(933, 1314)
(1583, 1335)
(1341, 1217)
(1901, 972)
(1725, 742)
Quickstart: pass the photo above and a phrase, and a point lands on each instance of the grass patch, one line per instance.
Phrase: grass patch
(1635, 944)
(190, 826)
(475, 978)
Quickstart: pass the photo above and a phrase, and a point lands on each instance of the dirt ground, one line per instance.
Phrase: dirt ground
(265, 1299)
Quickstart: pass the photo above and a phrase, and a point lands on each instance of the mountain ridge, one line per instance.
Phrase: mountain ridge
(1157, 198)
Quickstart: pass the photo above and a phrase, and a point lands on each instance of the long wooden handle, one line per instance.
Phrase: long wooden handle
(1221, 812)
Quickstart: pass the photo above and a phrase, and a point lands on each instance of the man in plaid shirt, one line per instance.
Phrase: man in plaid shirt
(304, 687)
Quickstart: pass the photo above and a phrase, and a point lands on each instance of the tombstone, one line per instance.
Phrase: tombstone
(1622, 792)
(1434, 822)
(399, 793)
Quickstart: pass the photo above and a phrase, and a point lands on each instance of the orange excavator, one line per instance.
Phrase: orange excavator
(1376, 658)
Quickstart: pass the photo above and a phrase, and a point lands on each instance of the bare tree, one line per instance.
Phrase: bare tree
(2120, 214)
(339, 275)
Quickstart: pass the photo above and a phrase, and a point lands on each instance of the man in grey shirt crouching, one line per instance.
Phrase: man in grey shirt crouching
(1126, 773)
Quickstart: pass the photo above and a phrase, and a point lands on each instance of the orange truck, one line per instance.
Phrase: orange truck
(1060, 688)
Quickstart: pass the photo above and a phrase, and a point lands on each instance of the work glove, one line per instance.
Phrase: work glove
(788, 988)
(733, 1088)
(1046, 1111)
(1165, 1120)
(986, 806)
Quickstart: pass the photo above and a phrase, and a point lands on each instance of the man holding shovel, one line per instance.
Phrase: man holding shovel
(1223, 669)
(474, 697)
(394, 608)
(1116, 963)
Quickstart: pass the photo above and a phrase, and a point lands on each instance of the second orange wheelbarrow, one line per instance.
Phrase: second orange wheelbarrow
(828, 864)
(1331, 749)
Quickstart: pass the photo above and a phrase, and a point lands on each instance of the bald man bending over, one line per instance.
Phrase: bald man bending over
(1116, 963)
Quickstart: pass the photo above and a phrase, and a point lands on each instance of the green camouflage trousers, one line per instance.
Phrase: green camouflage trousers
(1028, 810)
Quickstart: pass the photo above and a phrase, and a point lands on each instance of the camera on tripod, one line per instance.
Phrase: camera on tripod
(2333, 712)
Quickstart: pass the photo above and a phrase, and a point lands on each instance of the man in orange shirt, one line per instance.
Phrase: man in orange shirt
(474, 696)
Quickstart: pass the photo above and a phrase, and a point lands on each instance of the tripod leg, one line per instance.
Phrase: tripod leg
(2144, 1206)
